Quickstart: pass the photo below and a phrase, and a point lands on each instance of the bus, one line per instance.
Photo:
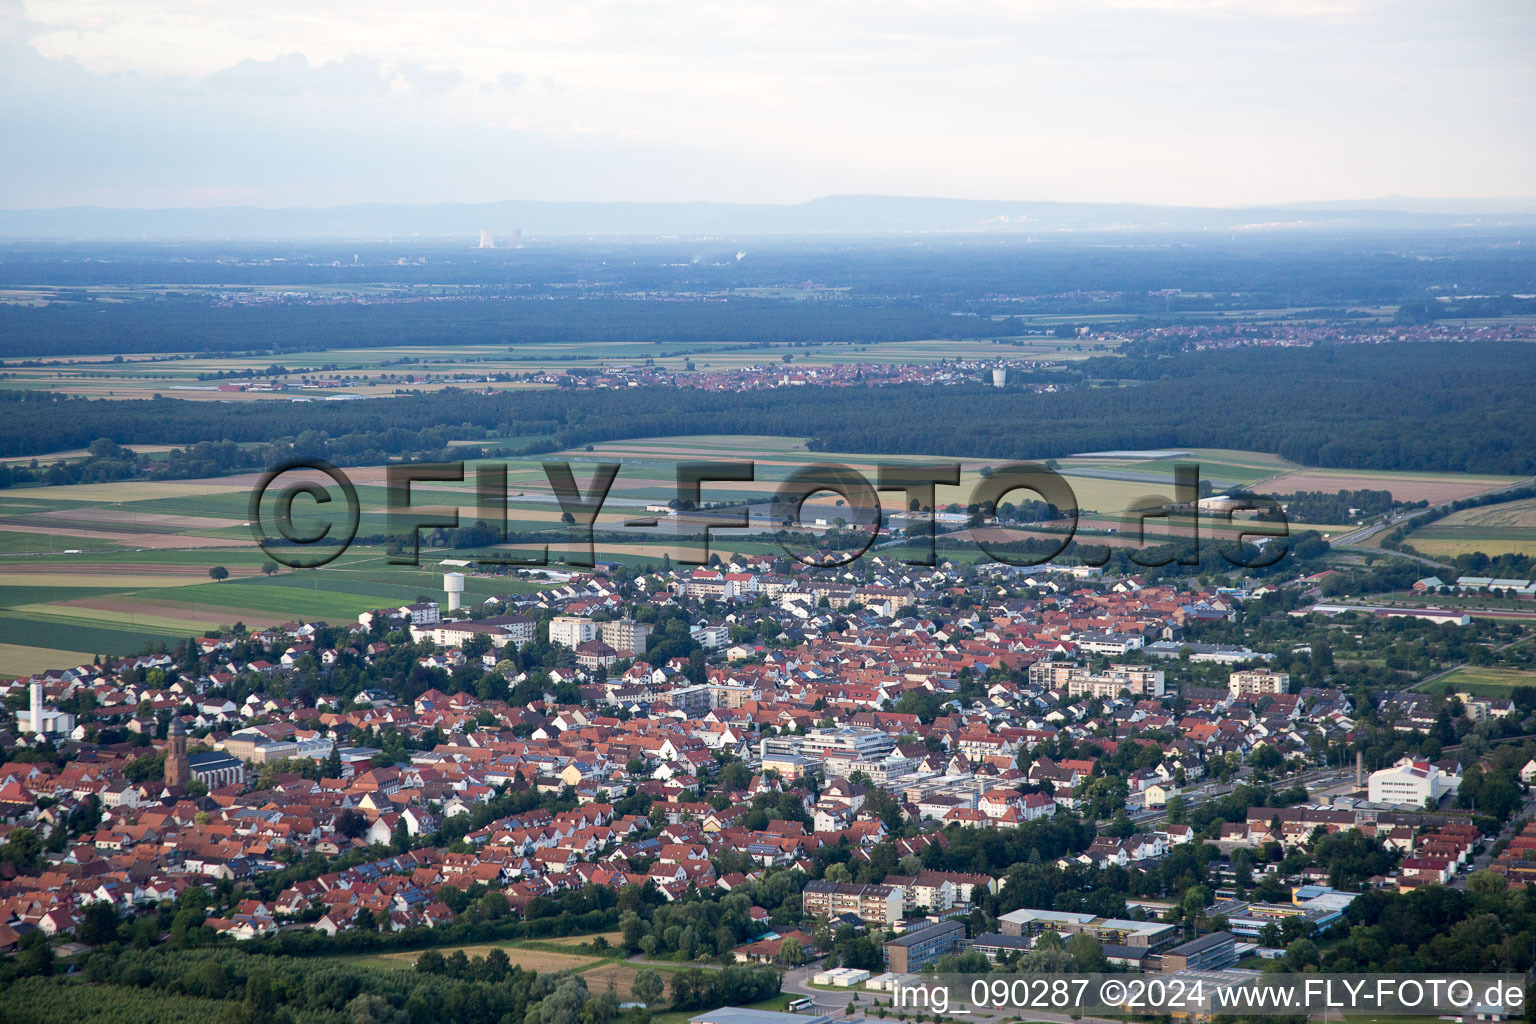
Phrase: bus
(801, 1004)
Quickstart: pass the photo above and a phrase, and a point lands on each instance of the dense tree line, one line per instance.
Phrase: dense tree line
(238, 986)
(200, 327)
(1413, 407)
(553, 293)
(1489, 926)
(1339, 507)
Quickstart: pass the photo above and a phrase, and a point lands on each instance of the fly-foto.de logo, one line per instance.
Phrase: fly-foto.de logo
(304, 513)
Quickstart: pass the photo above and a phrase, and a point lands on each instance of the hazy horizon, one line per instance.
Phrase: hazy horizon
(1403, 203)
(1210, 103)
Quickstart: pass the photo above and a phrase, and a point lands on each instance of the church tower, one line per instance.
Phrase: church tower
(177, 771)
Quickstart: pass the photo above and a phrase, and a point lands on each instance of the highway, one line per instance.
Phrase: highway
(1355, 539)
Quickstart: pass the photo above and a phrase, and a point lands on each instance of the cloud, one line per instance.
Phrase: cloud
(429, 81)
(1202, 101)
(291, 74)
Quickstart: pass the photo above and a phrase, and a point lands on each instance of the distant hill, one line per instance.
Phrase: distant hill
(842, 215)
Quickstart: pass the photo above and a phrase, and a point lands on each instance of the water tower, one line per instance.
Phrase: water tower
(453, 583)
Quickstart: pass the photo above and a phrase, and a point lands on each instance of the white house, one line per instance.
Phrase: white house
(1411, 781)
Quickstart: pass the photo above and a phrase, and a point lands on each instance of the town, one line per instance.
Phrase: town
(852, 773)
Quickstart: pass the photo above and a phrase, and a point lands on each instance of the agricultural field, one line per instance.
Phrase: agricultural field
(1105, 486)
(528, 959)
(612, 938)
(602, 973)
(107, 568)
(1435, 488)
(1508, 528)
(382, 370)
(1485, 682)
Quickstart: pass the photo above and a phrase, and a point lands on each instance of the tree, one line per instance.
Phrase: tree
(496, 966)
(688, 989)
(218, 573)
(23, 849)
(1087, 952)
(860, 952)
(821, 933)
(270, 568)
(400, 836)
(98, 923)
(791, 953)
(36, 953)
(351, 823)
(1196, 898)
(1300, 954)
(647, 986)
(1266, 758)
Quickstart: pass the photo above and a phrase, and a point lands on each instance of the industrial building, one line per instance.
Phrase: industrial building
(1207, 953)
(921, 946)
(1108, 930)
(1411, 781)
(995, 946)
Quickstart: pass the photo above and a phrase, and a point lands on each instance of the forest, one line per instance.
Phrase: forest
(198, 297)
(1427, 407)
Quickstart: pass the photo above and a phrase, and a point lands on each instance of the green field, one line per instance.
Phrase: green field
(1507, 528)
(379, 369)
(1485, 682)
(109, 568)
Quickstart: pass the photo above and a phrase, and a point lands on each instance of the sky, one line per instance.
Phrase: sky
(164, 103)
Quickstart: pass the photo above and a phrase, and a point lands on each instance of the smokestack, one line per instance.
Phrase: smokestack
(1359, 769)
(37, 707)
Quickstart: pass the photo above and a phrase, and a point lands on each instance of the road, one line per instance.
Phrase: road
(1485, 858)
(1312, 778)
(1355, 539)
(1365, 533)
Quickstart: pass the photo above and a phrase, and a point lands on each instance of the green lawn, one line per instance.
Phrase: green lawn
(1485, 682)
